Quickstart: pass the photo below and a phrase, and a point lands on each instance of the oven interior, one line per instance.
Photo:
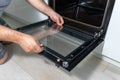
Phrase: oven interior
(88, 15)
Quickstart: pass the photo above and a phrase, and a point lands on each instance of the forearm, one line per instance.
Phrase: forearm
(41, 6)
(10, 35)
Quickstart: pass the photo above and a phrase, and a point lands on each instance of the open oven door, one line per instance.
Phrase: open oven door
(85, 26)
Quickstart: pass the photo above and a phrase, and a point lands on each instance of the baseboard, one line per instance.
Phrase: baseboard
(109, 60)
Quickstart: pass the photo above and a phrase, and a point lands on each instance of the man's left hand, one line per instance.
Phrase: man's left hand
(57, 18)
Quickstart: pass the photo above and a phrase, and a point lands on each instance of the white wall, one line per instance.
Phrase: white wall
(111, 47)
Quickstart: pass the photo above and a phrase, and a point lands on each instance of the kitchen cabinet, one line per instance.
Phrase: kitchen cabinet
(24, 12)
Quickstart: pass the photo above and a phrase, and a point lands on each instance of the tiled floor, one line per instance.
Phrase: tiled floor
(24, 66)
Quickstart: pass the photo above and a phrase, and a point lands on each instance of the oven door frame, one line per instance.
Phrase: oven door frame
(69, 62)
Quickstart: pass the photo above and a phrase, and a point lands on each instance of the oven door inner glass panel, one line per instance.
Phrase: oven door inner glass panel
(62, 41)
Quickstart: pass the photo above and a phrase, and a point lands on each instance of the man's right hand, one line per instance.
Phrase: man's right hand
(30, 44)
(27, 42)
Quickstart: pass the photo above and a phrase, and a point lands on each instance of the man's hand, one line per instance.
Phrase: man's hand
(27, 42)
(30, 44)
(57, 18)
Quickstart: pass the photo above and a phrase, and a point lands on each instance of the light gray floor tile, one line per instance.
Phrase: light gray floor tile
(11, 71)
(88, 68)
(113, 72)
(100, 76)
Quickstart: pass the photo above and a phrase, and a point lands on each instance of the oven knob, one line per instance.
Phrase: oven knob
(65, 64)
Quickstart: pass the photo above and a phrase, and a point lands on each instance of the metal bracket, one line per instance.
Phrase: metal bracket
(98, 34)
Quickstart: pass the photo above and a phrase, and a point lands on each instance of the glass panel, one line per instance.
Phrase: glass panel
(58, 40)
(63, 43)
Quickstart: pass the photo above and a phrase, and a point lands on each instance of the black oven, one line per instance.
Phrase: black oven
(85, 26)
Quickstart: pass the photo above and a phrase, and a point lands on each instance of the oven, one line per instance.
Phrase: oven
(86, 23)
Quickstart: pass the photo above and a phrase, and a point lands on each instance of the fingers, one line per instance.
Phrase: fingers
(41, 45)
(56, 27)
(38, 47)
(57, 18)
(34, 49)
(60, 21)
(30, 44)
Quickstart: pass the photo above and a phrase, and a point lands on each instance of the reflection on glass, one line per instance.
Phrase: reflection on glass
(45, 31)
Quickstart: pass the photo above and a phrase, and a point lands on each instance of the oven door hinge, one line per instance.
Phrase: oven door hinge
(98, 34)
